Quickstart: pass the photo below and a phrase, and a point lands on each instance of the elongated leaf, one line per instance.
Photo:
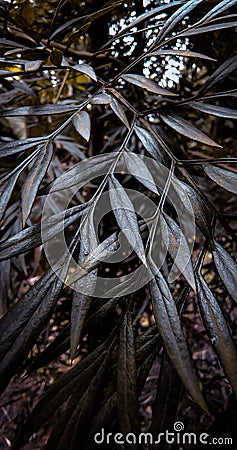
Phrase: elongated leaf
(82, 298)
(209, 28)
(86, 69)
(139, 170)
(217, 10)
(218, 331)
(220, 74)
(168, 323)
(227, 269)
(6, 192)
(101, 99)
(185, 128)
(176, 18)
(126, 379)
(118, 110)
(145, 16)
(179, 251)
(225, 178)
(39, 110)
(34, 178)
(149, 142)
(12, 147)
(145, 83)
(31, 66)
(184, 53)
(126, 217)
(82, 123)
(214, 110)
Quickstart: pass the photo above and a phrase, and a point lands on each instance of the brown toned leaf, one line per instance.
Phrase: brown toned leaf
(225, 178)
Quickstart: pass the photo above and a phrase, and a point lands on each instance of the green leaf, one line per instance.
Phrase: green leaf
(82, 123)
(86, 69)
(227, 269)
(118, 110)
(139, 170)
(145, 83)
(218, 332)
(126, 217)
(185, 128)
(169, 326)
(224, 178)
(149, 142)
(34, 178)
(214, 110)
(126, 379)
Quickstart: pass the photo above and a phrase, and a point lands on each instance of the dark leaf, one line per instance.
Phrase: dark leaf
(86, 69)
(217, 10)
(118, 110)
(225, 178)
(220, 74)
(184, 53)
(149, 142)
(12, 147)
(6, 192)
(214, 110)
(101, 99)
(126, 379)
(82, 123)
(39, 110)
(126, 217)
(207, 29)
(145, 83)
(218, 331)
(34, 178)
(184, 127)
(31, 66)
(227, 269)
(168, 323)
(139, 170)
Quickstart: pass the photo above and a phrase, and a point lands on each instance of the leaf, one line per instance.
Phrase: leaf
(31, 66)
(126, 217)
(12, 147)
(218, 332)
(82, 298)
(145, 83)
(207, 29)
(118, 110)
(6, 192)
(169, 326)
(217, 10)
(34, 178)
(225, 178)
(101, 99)
(220, 74)
(176, 18)
(38, 110)
(214, 110)
(82, 123)
(179, 251)
(227, 269)
(137, 167)
(185, 128)
(80, 173)
(86, 69)
(149, 142)
(126, 379)
(184, 53)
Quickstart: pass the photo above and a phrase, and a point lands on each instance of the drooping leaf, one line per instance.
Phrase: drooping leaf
(225, 178)
(168, 323)
(126, 379)
(184, 53)
(227, 269)
(12, 147)
(149, 142)
(175, 18)
(82, 123)
(214, 110)
(101, 99)
(145, 83)
(179, 251)
(39, 110)
(87, 70)
(217, 329)
(139, 170)
(34, 178)
(217, 10)
(220, 74)
(6, 192)
(209, 28)
(126, 217)
(185, 128)
(118, 110)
